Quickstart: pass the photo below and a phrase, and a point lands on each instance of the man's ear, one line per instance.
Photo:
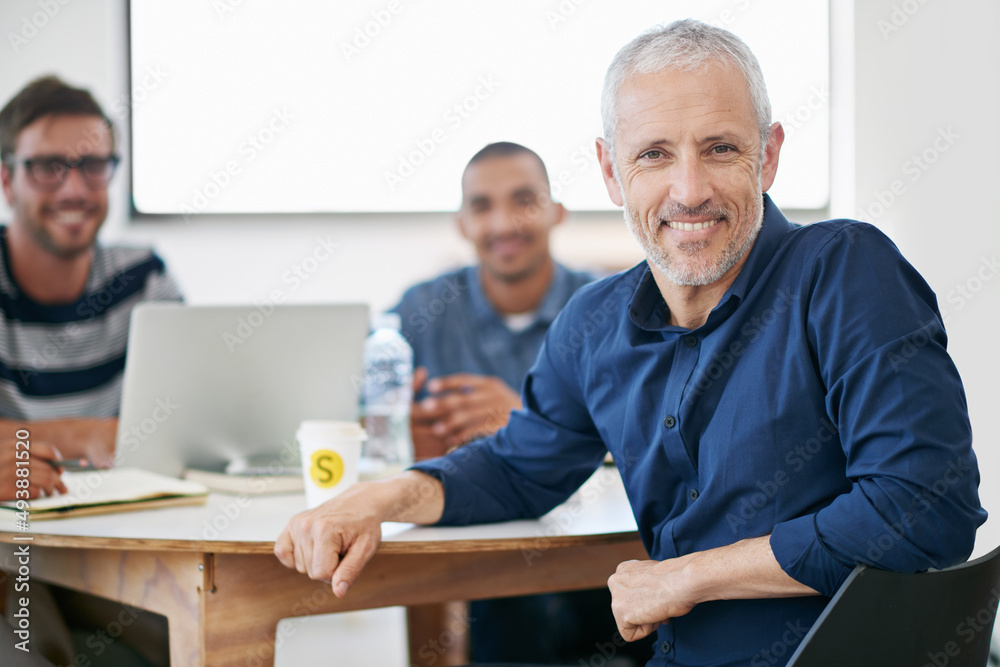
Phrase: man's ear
(769, 166)
(559, 213)
(7, 176)
(460, 225)
(608, 172)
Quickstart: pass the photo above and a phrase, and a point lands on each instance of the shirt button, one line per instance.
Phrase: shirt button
(690, 341)
(693, 494)
(665, 647)
(669, 421)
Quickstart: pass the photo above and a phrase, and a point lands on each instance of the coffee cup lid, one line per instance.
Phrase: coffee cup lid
(327, 428)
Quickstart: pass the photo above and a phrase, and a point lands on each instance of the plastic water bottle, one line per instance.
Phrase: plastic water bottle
(388, 393)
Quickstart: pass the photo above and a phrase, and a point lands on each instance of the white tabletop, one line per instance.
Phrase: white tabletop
(600, 507)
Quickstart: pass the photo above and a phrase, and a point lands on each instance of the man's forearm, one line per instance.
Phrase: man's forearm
(9, 426)
(77, 436)
(648, 593)
(741, 571)
(412, 497)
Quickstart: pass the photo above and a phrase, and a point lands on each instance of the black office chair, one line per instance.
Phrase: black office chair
(941, 618)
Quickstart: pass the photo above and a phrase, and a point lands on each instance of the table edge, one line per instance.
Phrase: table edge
(536, 543)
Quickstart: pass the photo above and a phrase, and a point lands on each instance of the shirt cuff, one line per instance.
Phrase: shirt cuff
(800, 553)
(441, 469)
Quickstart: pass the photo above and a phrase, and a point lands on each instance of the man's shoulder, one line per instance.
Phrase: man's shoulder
(839, 232)
(121, 257)
(625, 279)
(576, 278)
(136, 262)
(608, 293)
(447, 286)
(131, 269)
(827, 261)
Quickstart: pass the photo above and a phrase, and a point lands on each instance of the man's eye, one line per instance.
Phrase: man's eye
(652, 155)
(95, 165)
(721, 149)
(50, 167)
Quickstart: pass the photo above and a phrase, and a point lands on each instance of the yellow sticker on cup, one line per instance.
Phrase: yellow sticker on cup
(326, 468)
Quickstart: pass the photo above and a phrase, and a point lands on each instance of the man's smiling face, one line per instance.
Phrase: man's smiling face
(63, 222)
(690, 171)
(508, 214)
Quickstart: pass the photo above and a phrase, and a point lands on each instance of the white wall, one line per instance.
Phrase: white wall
(936, 72)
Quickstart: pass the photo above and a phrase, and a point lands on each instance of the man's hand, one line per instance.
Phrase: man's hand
(426, 445)
(332, 542)
(646, 594)
(335, 541)
(77, 438)
(461, 407)
(43, 477)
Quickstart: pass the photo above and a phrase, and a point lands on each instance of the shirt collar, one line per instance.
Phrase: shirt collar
(773, 231)
(648, 310)
(555, 297)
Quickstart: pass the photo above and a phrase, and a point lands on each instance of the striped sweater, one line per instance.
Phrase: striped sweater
(67, 360)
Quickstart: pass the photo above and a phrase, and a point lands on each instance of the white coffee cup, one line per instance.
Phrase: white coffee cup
(330, 452)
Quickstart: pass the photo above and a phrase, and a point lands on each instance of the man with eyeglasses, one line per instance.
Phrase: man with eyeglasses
(64, 298)
(65, 302)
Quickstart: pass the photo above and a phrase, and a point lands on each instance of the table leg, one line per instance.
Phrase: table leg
(438, 634)
(167, 583)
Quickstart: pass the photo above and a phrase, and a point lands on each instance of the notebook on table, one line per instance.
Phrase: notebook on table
(104, 491)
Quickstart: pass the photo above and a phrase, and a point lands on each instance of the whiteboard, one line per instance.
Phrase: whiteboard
(272, 106)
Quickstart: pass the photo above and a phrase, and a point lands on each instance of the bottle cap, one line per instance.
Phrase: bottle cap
(386, 321)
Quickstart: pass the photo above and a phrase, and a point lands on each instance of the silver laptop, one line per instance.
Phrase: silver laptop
(208, 385)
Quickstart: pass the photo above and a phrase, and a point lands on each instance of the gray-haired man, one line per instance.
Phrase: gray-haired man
(750, 387)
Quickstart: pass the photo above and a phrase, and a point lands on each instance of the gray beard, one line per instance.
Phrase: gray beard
(705, 273)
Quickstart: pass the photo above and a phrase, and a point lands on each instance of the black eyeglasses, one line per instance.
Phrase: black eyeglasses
(48, 173)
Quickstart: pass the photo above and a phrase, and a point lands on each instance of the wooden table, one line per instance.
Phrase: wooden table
(211, 570)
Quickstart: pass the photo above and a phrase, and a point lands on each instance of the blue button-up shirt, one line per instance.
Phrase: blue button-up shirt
(816, 404)
(453, 327)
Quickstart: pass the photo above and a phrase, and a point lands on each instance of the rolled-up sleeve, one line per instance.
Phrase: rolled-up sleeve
(896, 397)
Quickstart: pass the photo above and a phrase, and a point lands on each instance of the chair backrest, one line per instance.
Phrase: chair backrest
(940, 618)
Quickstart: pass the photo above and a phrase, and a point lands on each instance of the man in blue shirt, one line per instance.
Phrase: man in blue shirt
(778, 397)
(475, 333)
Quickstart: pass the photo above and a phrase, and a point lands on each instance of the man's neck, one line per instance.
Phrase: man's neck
(43, 276)
(688, 306)
(521, 296)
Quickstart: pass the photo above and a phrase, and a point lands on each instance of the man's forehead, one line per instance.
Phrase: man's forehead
(66, 134)
(710, 98)
(503, 175)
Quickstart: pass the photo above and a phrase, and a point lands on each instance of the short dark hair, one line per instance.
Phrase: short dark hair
(503, 149)
(44, 96)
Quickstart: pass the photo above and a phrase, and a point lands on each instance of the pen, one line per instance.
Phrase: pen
(70, 464)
